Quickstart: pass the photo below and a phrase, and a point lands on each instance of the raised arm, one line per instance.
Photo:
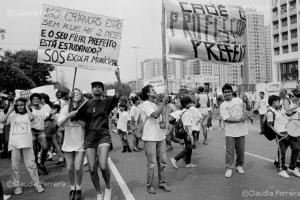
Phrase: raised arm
(119, 84)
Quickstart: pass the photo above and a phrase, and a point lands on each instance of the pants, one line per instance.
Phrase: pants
(196, 136)
(187, 151)
(283, 145)
(28, 157)
(156, 154)
(124, 138)
(261, 121)
(1, 191)
(234, 145)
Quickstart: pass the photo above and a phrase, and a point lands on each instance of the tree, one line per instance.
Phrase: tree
(20, 70)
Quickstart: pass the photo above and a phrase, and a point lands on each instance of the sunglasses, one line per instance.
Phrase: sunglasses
(20, 105)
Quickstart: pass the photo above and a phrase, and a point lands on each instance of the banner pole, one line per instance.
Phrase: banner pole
(164, 59)
(75, 72)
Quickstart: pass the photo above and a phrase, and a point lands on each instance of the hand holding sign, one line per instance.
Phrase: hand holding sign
(117, 72)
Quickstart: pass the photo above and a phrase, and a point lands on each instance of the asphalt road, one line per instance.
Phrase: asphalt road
(206, 181)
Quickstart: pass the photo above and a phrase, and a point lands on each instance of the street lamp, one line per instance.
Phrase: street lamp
(136, 67)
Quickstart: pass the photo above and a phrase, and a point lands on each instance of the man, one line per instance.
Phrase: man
(97, 139)
(204, 103)
(134, 115)
(277, 120)
(261, 106)
(233, 114)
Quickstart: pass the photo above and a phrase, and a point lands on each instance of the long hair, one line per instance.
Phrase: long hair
(145, 91)
(77, 104)
(16, 108)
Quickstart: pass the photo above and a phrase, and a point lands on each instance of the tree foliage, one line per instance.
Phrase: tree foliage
(20, 70)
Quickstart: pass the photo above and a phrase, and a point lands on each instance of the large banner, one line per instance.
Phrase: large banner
(47, 89)
(211, 33)
(79, 39)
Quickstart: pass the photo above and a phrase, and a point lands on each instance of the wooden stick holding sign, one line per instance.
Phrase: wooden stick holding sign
(164, 59)
(73, 85)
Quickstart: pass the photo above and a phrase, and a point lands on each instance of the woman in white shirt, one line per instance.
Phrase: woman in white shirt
(154, 138)
(20, 143)
(73, 145)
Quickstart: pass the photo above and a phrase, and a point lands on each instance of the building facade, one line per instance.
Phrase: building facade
(255, 64)
(285, 42)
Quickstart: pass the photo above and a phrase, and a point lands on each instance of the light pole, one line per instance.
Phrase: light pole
(136, 67)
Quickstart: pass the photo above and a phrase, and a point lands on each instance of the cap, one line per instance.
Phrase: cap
(97, 83)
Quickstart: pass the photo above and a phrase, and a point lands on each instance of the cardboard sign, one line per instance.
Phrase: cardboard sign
(47, 89)
(111, 92)
(79, 39)
(211, 33)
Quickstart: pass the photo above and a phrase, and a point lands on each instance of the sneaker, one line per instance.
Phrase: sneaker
(174, 162)
(219, 129)
(60, 163)
(191, 165)
(18, 190)
(72, 194)
(283, 174)
(136, 150)
(5, 197)
(164, 187)
(39, 188)
(240, 169)
(107, 194)
(205, 142)
(151, 190)
(228, 173)
(100, 196)
(139, 148)
(77, 195)
(295, 172)
(210, 129)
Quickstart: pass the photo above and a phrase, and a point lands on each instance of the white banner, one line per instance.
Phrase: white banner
(47, 89)
(157, 83)
(111, 92)
(208, 32)
(79, 39)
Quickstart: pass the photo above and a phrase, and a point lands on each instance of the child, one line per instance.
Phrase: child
(20, 143)
(73, 146)
(122, 127)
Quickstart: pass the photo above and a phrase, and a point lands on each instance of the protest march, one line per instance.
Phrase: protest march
(201, 110)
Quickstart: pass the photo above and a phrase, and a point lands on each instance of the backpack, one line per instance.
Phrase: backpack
(180, 131)
(266, 130)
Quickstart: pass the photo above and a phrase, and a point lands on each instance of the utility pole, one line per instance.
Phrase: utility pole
(136, 67)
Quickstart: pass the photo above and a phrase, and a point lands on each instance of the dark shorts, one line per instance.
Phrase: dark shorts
(94, 139)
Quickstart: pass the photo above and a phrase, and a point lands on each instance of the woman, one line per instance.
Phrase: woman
(73, 146)
(20, 143)
(153, 138)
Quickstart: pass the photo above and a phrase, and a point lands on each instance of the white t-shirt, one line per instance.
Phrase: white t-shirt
(134, 112)
(281, 119)
(74, 136)
(1, 117)
(196, 119)
(38, 122)
(20, 135)
(203, 100)
(151, 130)
(263, 104)
(233, 110)
(123, 121)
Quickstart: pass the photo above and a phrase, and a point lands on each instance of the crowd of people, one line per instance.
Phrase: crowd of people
(78, 128)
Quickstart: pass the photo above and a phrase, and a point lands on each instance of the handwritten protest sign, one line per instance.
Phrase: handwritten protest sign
(211, 33)
(47, 89)
(79, 39)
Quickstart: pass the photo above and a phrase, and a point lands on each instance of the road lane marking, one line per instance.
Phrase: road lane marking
(127, 193)
(260, 157)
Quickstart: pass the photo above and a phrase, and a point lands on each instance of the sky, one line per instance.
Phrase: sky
(141, 28)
